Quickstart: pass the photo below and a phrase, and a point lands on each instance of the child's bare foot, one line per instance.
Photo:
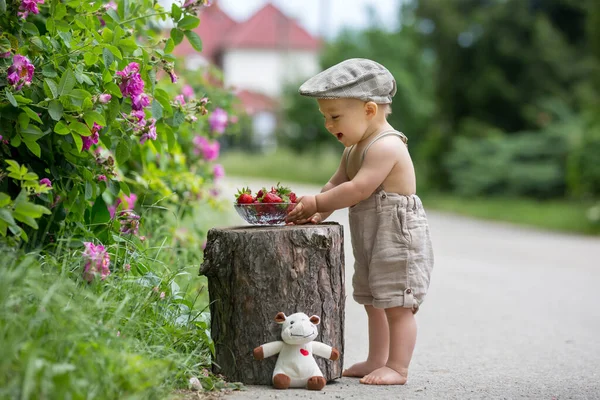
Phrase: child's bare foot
(361, 369)
(385, 376)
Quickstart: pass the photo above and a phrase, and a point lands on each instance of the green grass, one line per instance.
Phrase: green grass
(550, 215)
(287, 166)
(114, 339)
(282, 165)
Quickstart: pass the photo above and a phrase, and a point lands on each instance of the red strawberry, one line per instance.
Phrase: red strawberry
(245, 199)
(244, 196)
(293, 197)
(271, 198)
(260, 194)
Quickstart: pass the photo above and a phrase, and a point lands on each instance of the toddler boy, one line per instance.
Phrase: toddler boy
(389, 229)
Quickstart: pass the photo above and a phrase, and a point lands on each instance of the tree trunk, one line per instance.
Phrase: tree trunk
(253, 273)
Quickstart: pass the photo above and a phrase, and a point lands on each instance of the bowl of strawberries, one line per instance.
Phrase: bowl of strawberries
(266, 207)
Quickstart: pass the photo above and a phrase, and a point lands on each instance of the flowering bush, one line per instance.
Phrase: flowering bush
(92, 112)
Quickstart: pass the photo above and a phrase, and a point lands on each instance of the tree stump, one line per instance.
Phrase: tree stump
(256, 271)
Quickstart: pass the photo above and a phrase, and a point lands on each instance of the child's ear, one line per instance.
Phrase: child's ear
(371, 108)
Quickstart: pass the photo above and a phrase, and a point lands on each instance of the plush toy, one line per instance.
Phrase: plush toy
(296, 366)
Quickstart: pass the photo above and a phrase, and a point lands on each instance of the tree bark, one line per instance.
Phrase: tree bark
(253, 273)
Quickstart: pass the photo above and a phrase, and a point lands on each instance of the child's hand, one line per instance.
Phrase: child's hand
(305, 209)
(315, 219)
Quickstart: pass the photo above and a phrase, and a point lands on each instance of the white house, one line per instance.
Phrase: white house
(257, 56)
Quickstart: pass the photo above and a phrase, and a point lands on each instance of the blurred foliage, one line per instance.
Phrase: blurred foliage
(496, 97)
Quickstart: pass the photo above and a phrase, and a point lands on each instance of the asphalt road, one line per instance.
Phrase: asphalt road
(512, 313)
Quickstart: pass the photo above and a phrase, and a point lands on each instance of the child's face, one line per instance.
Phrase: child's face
(346, 119)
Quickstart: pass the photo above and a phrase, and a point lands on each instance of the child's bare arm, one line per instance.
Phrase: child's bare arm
(340, 176)
(378, 163)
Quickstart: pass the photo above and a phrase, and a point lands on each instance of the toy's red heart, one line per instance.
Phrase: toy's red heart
(304, 352)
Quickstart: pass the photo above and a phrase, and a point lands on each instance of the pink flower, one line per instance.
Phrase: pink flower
(140, 101)
(104, 98)
(210, 151)
(110, 5)
(173, 76)
(218, 171)
(130, 222)
(102, 178)
(180, 99)
(162, 295)
(88, 141)
(46, 182)
(20, 72)
(97, 261)
(127, 267)
(218, 120)
(29, 6)
(150, 131)
(131, 81)
(188, 92)
(233, 119)
(129, 201)
(5, 55)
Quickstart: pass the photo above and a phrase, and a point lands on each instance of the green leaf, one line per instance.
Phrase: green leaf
(175, 12)
(22, 100)
(90, 58)
(25, 207)
(169, 46)
(88, 190)
(113, 14)
(6, 216)
(33, 147)
(123, 152)
(23, 119)
(61, 128)
(113, 89)
(67, 82)
(60, 11)
(78, 141)
(176, 35)
(80, 128)
(178, 118)
(107, 35)
(188, 22)
(32, 114)
(55, 109)
(2, 6)
(48, 71)
(4, 44)
(125, 188)
(157, 111)
(128, 44)
(114, 50)
(92, 116)
(31, 29)
(50, 88)
(100, 214)
(5, 199)
(107, 57)
(171, 141)
(194, 40)
(11, 98)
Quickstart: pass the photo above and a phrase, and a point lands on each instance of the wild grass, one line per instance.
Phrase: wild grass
(139, 334)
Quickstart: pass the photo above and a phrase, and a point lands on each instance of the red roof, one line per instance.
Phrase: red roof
(270, 28)
(256, 102)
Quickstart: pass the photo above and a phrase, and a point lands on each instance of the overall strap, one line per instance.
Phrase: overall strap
(348, 158)
(383, 134)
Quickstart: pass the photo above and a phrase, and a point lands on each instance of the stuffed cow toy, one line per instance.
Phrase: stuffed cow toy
(296, 366)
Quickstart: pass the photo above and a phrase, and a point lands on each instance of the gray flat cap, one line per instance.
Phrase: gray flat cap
(356, 78)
